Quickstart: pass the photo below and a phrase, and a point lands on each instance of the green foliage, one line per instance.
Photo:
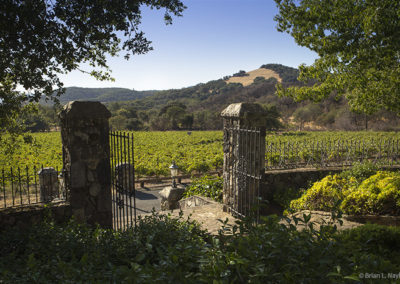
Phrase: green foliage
(161, 250)
(241, 73)
(31, 150)
(372, 237)
(166, 250)
(39, 41)
(199, 152)
(259, 79)
(288, 74)
(340, 145)
(378, 194)
(307, 113)
(208, 186)
(360, 171)
(102, 94)
(324, 195)
(277, 253)
(357, 45)
(283, 196)
(35, 122)
(272, 119)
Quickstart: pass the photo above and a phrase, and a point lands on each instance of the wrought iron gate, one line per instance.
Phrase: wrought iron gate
(122, 180)
(244, 169)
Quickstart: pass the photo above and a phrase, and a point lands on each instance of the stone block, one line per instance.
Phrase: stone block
(78, 174)
(95, 189)
(170, 197)
(48, 184)
(84, 109)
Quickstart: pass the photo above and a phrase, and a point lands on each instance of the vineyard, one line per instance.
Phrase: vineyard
(201, 151)
(327, 149)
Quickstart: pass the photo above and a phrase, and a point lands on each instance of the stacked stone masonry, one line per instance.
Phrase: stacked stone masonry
(85, 139)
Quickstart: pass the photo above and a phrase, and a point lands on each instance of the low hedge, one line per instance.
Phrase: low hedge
(166, 250)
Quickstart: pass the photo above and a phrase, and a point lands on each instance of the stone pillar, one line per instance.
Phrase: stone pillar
(48, 184)
(86, 149)
(244, 156)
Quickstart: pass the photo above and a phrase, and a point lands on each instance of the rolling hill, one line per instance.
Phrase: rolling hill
(249, 77)
(103, 95)
(199, 106)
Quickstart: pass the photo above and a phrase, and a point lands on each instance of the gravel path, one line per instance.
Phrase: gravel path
(209, 215)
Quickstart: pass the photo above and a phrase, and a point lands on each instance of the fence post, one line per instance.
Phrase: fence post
(244, 156)
(86, 152)
(48, 183)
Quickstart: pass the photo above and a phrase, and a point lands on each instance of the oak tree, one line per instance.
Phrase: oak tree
(358, 44)
(41, 39)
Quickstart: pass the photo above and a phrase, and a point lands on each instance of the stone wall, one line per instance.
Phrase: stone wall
(284, 180)
(26, 216)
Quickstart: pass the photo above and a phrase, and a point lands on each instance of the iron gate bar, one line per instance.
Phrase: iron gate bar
(113, 194)
(4, 189)
(119, 190)
(123, 180)
(27, 184)
(131, 146)
(120, 201)
(244, 170)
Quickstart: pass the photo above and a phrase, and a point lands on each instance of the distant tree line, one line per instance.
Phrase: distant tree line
(288, 74)
(199, 107)
(39, 118)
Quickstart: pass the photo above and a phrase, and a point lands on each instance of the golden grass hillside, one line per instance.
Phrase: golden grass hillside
(248, 80)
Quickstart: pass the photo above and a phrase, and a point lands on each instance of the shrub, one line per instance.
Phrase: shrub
(284, 196)
(167, 250)
(274, 252)
(324, 195)
(379, 195)
(207, 186)
(360, 171)
(241, 73)
(259, 79)
(373, 238)
(161, 249)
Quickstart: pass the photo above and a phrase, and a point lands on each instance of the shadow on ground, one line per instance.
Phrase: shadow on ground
(144, 195)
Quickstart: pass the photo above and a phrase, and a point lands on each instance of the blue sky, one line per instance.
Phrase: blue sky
(214, 38)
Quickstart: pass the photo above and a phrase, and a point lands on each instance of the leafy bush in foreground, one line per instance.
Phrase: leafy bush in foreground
(167, 250)
(161, 250)
(371, 238)
(278, 253)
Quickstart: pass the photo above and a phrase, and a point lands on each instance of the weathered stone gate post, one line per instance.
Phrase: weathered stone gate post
(244, 156)
(86, 151)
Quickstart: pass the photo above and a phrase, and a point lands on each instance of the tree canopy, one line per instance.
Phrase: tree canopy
(41, 39)
(358, 44)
